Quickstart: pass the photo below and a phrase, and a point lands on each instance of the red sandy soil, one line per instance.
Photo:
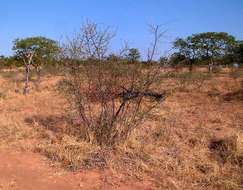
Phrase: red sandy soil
(30, 171)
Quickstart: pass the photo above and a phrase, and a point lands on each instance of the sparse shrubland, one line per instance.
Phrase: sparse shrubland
(190, 140)
(93, 110)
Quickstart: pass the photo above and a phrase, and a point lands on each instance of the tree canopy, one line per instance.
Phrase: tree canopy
(209, 45)
(43, 48)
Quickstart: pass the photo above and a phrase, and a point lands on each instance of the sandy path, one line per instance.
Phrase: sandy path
(29, 171)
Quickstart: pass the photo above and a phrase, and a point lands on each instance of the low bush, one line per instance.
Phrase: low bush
(110, 100)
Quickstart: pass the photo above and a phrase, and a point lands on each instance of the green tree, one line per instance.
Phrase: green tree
(44, 49)
(187, 49)
(35, 51)
(177, 59)
(214, 44)
(133, 55)
(208, 46)
(113, 58)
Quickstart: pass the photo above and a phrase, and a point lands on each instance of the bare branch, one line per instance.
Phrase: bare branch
(158, 34)
(92, 41)
(124, 50)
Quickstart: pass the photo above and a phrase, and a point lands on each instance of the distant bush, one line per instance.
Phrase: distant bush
(10, 62)
(177, 59)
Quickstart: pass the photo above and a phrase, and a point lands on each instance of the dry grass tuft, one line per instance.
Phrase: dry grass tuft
(70, 153)
(226, 149)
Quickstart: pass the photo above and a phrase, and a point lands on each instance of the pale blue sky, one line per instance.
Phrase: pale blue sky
(56, 18)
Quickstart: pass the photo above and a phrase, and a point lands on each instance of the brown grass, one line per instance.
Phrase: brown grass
(191, 141)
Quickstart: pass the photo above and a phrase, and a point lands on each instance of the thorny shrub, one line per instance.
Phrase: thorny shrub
(110, 99)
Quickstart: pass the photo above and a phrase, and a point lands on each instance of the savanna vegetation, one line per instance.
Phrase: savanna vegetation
(171, 123)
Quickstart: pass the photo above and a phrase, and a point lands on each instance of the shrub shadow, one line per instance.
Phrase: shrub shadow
(58, 125)
(55, 123)
(234, 96)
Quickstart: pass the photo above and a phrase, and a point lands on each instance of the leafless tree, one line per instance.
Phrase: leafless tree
(109, 99)
(157, 33)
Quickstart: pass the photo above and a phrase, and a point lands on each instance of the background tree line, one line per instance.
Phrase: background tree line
(212, 48)
(209, 48)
